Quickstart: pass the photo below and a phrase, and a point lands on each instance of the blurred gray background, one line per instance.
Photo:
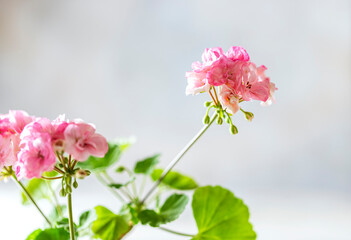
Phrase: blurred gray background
(121, 66)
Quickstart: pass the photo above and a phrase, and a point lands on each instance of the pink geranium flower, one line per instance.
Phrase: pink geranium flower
(210, 55)
(224, 71)
(254, 84)
(19, 119)
(229, 99)
(81, 141)
(7, 155)
(35, 157)
(44, 126)
(238, 53)
(197, 83)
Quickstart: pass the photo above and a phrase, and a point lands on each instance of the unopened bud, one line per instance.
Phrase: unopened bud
(207, 119)
(120, 169)
(62, 193)
(219, 121)
(233, 129)
(68, 180)
(81, 173)
(75, 184)
(249, 116)
(207, 104)
(68, 189)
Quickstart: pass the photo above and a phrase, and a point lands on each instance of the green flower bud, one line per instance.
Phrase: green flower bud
(207, 104)
(68, 189)
(233, 129)
(62, 193)
(207, 119)
(75, 184)
(120, 169)
(249, 116)
(68, 180)
(219, 121)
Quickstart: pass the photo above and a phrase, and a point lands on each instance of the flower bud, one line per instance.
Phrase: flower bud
(68, 180)
(75, 184)
(81, 173)
(233, 129)
(219, 121)
(120, 169)
(68, 189)
(62, 193)
(207, 104)
(249, 116)
(207, 119)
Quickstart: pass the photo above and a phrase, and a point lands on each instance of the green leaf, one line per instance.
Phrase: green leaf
(170, 211)
(220, 215)
(54, 215)
(110, 226)
(37, 188)
(49, 234)
(175, 180)
(119, 185)
(146, 165)
(112, 156)
(86, 218)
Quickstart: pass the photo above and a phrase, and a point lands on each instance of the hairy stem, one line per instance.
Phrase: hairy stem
(70, 216)
(179, 156)
(175, 232)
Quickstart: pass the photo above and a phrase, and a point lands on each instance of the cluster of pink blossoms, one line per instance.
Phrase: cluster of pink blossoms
(30, 144)
(238, 79)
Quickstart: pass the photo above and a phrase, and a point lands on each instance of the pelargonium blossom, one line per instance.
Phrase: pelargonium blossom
(81, 141)
(236, 77)
(7, 154)
(35, 157)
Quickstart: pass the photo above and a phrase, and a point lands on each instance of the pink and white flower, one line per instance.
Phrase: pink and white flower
(254, 84)
(81, 141)
(35, 157)
(7, 155)
(197, 83)
(237, 53)
(229, 100)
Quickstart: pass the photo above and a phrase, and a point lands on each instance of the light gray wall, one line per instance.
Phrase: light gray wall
(121, 65)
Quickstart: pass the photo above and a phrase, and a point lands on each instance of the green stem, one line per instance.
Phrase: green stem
(29, 196)
(103, 182)
(70, 216)
(126, 192)
(134, 189)
(58, 207)
(175, 232)
(179, 156)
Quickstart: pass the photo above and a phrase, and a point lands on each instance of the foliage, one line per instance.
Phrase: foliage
(175, 180)
(220, 215)
(170, 211)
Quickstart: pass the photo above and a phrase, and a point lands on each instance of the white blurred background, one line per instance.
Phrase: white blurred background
(121, 65)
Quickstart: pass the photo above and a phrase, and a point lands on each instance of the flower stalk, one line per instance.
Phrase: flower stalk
(179, 156)
(70, 216)
(29, 196)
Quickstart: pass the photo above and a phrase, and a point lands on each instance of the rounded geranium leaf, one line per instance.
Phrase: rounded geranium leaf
(110, 226)
(220, 215)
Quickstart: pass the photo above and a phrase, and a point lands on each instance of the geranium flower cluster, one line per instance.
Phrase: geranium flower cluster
(30, 144)
(237, 78)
